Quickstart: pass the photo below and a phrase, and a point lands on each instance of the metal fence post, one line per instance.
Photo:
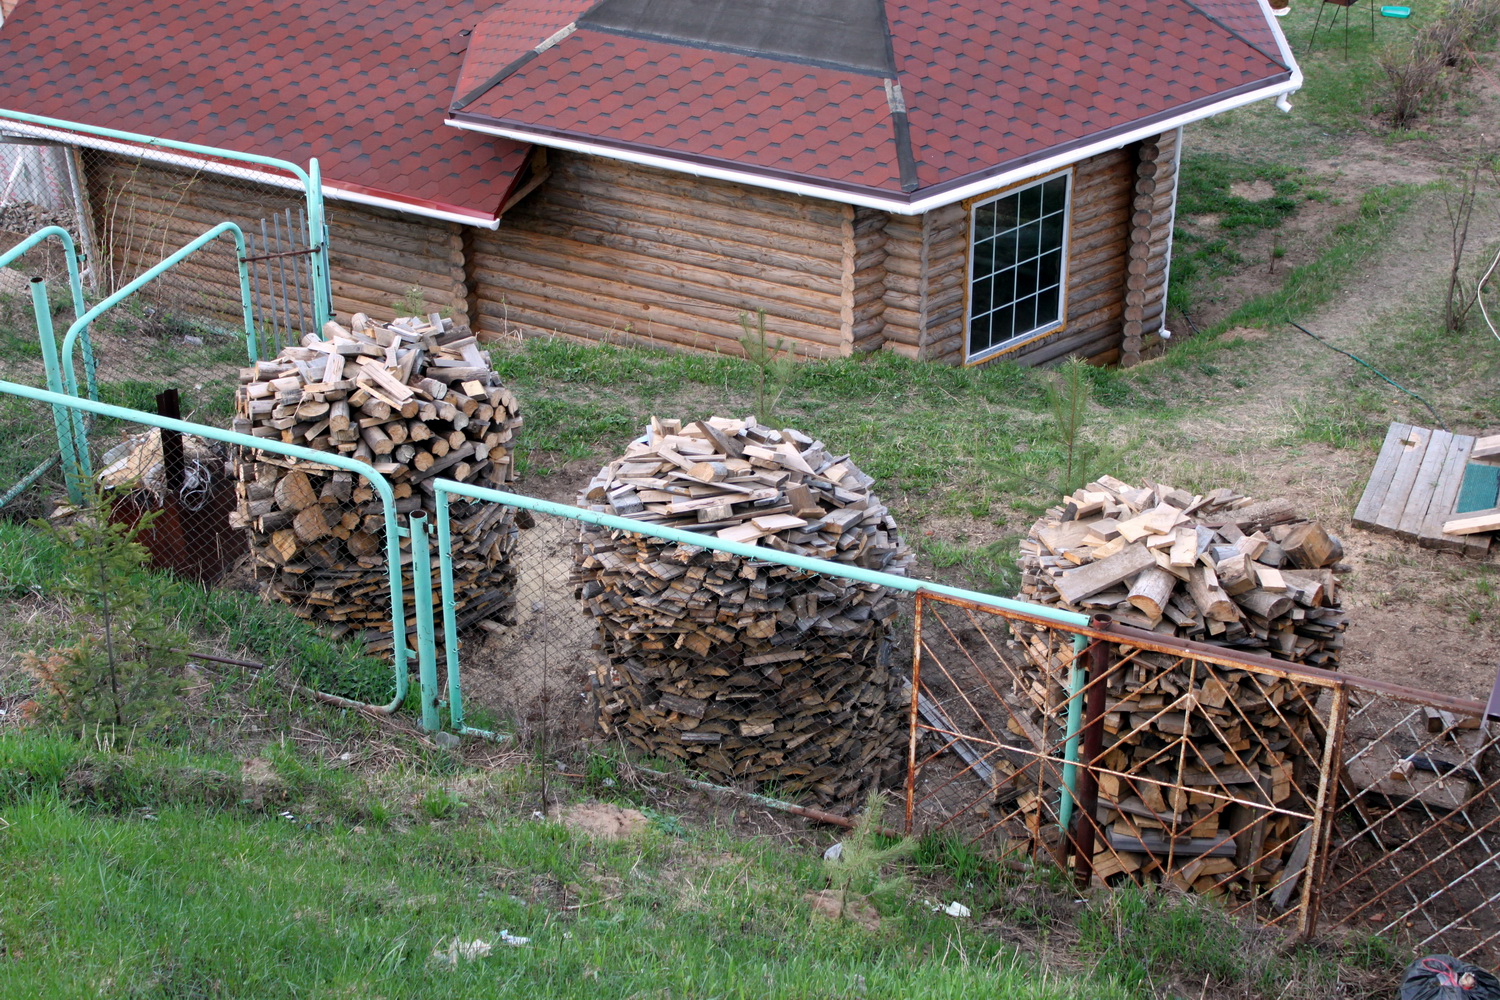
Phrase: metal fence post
(916, 697)
(1099, 668)
(421, 591)
(67, 422)
(317, 236)
(1326, 813)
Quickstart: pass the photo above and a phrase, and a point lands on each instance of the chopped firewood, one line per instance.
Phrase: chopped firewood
(1184, 739)
(747, 670)
(318, 533)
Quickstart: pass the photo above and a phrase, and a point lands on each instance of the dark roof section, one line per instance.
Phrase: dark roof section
(842, 34)
(363, 86)
(795, 90)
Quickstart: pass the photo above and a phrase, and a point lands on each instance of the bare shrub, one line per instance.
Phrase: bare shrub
(1414, 71)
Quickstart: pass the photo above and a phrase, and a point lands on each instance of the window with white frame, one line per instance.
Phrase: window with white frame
(1017, 265)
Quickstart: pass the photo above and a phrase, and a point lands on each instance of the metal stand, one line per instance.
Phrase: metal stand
(1348, 6)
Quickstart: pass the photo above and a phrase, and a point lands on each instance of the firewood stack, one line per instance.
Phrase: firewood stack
(415, 399)
(747, 671)
(1219, 568)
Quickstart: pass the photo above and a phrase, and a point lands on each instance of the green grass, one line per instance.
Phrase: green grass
(155, 872)
(235, 621)
(168, 897)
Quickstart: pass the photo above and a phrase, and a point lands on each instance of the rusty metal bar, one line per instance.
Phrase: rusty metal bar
(916, 692)
(1315, 868)
(1087, 818)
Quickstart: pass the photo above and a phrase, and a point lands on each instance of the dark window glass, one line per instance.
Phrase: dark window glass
(1026, 314)
(1049, 273)
(1029, 240)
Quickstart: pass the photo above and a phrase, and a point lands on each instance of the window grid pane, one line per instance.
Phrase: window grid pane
(1016, 264)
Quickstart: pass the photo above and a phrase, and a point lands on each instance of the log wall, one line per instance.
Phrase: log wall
(608, 251)
(142, 211)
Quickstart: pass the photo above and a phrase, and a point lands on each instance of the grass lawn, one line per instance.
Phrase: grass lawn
(151, 872)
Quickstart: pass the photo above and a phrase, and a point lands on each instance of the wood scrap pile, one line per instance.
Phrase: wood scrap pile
(747, 670)
(1197, 740)
(415, 399)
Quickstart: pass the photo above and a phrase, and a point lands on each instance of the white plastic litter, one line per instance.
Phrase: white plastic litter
(459, 950)
(835, 852)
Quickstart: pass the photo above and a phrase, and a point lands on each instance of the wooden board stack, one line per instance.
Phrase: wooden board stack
(746, 670)
(1218, 568)
(415, 399)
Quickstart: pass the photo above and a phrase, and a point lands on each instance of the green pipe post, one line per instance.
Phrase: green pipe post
(26, 481)
(421, 595)
(62, 418)
(75, 285)
(310, 179)
(393, 531)
(1077, 681)
(450, 625)
(317, 236)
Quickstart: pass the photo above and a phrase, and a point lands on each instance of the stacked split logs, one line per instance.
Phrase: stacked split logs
(747, 670)
(416, 400)
(1198, 741)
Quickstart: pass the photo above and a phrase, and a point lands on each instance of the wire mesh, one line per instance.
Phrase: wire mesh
(1416, 849)
(745, 672)
(1194, 770)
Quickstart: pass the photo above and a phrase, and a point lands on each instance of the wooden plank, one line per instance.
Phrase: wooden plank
(1487, 447)
(1441, 507)
(1413, 451)
(1380, 477)
(1088, 580)
(1426, 485)
(1398, 781)
(1474, 521)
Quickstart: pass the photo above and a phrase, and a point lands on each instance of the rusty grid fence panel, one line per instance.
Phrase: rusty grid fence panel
(1415, 854)
(1186, 787)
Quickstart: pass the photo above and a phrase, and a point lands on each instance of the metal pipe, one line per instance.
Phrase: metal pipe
(1093, 744)
(1077, 678)
(916, 707)
(75, 285)
(376, 480)
(826, 567)
(25, 483)
(81, 324)
(421, 595)
(63, 420)
(317, 234)
(450, 629)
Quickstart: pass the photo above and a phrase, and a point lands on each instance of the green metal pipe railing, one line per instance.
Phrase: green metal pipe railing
(67, 423)
(393, 530)
(444, 488)
(75, 283)
(80, 327)
(1078, 677)
(311, 180)
(421, 595)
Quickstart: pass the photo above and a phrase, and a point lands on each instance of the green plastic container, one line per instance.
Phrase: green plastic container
(1395, 12)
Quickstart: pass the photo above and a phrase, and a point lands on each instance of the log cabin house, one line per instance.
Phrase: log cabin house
(954, 180)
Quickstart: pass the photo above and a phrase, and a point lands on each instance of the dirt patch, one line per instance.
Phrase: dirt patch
(1256, 190)
(831, 904)
(603, 820)
(536, 671)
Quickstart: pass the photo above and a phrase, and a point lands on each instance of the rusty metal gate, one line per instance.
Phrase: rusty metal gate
(1283, 791)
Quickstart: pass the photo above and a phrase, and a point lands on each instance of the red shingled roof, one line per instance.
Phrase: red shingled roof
(984, 86)
(361, 86)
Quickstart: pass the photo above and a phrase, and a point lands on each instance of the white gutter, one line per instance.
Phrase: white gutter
(1286, 54)
(1033, 169)
(358, 197)
(231, 170)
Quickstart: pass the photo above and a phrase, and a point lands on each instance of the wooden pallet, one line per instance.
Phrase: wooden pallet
(1414, 488)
